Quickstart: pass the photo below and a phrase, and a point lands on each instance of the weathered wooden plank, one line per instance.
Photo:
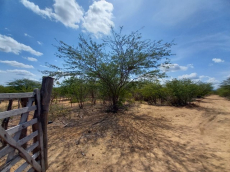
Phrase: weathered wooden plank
(23, 119)
(17, 111)
(46, 91)
(24, 103)
(17, 158)
(7, 96)
(22, 151)
(31, 170)
(10, 164)
(24, 165)
(6, 120)
(27, 138)
(7, 149)
(32, 147)
(19, 127)
(38, 127)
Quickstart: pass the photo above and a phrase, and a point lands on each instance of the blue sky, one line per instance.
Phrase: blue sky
(200, 29)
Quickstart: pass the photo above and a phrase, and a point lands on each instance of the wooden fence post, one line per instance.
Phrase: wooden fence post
(46, 90)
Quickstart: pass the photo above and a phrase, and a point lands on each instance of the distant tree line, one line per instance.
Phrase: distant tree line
(20, 85)
(81, 90)
(175, 92)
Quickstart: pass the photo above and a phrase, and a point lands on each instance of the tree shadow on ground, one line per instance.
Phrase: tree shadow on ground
(144, 142)
(146, 146)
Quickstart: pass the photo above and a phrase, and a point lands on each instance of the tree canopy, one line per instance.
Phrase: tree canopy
(114, 62)
(24, 85)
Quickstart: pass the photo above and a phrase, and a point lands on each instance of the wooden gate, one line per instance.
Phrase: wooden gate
(21, 147)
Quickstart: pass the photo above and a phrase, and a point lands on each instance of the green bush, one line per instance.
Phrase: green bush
(181, 92)
(224, 89)
(151, 92)
(223, 92)
(204, 89)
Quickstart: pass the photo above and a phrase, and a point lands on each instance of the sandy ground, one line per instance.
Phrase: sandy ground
(140, 138)
(143, 138)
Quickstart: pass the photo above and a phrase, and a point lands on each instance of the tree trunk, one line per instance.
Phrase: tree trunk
(115, 104)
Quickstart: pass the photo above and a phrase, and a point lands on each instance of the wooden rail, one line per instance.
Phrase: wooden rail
(15, 140)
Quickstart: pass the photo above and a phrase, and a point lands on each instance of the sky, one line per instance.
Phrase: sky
(30, 29)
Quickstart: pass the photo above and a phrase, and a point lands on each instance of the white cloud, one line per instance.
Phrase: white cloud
(27, 35)
(68, 12)
(9, 75)
(2, 71)
(208, 79)
(8, 44)
(16, 64)
(40, 43)
(212, 80)
(20, 72)
(190, 76)
(194, 77)
(190, 66)
(31, 59)
(216, 60)
(175, 67)
(42, 66)
(98, 19)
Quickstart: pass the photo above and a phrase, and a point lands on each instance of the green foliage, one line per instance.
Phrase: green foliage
(7, 89)
(114, 62)
(181, 92)
(3, 89)
(56, 92)
(151, 92)
(77, 89)
(175, 92)
(204, 89)
(224, 89)
(23, 85)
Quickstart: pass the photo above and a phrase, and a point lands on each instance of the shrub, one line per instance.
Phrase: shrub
(181, 92)
(224, 89)
(151, 92)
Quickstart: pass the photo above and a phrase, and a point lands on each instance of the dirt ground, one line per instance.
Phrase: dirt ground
(140, 137)
(143, 138)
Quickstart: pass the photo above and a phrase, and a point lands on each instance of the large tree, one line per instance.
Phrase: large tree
(114, 62)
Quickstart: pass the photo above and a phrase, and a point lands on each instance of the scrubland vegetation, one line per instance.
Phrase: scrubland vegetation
(113, 113)
(224, 90)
